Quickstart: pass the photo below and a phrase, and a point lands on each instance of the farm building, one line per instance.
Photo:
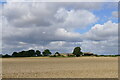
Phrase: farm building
(88, 54)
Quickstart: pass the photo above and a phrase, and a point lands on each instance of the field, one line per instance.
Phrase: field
(74, 67)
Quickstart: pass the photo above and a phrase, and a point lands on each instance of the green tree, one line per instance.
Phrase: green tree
(6, 55)
(57, 53)
(31, 53)
(23, 54)
(77, 51)
(15, 54)
(38, 53)
(46, 52)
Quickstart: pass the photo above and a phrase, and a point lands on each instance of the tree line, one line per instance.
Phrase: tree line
(32, 53)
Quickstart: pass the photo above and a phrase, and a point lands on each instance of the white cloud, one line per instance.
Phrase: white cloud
(58, 43)
(75, 18)
(61, 32)
(42, 14)
(22, 43)
(102, 32)
(27, 15)
(102, 39)
(101, 47)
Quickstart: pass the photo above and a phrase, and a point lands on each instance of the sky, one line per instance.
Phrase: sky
(60, 26)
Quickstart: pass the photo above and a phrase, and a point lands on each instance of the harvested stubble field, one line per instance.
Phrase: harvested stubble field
(75, 67)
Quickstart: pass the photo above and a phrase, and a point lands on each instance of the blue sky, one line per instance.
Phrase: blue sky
(104, 14)
(2, 1)
(61, 27)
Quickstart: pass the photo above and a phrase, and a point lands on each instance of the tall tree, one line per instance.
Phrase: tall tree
(46, 52)
(6, 55)
(15, 54)
(32, 53)
(38, 53)
(77, 51)
(57, 53)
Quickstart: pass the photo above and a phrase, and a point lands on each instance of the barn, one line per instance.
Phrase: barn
(88, 54)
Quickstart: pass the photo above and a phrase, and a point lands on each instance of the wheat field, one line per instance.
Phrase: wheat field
(47, 67)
